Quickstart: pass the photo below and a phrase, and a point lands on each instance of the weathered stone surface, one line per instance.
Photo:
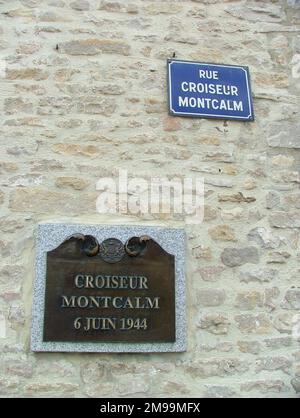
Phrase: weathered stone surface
(171, 124)
(248, 300)
(272, 200)
(39, 389)
(27, 74)
(252, 347)
(214, 391)
(224, 347)
(94, 47)
(16, 105)
(286, 176)
(17, 315)
(268, 299)
(64, 74)
(294, 3)
(154, 105)
(233, 257)
(93, 372)
(8, 167)
(21, 12)
(162, 8)
(278, 257)
(100, 390)
(216, 367)
(214, 323)
(295, 382)
(264, 238)
(9, 386)
(58, 369)
(28, 48)
(282, 160)
(284, 135)
(219, 182)
(232, 214)
(171, 387)
(118, 6)
(264, 386)
(274, 363)
(14, 366)
(80, 5)
(211, 273)
(219, 156)
(97, 106)
(138, 386)
(5, 248)
(11, 274)
(108, 89)
(72, 182)
(257, 12)
(201, 252)
(258, 275)
(256, 324)
(278, 342)
(39, 200)
(236, 198)
(210, 297)
(210, 213)
(283, 322)
(30, 3)
(62, 105)
(222, 233)
(76, 149)
(293, 200)
(291, 299)
(45, 165)
(282, 219)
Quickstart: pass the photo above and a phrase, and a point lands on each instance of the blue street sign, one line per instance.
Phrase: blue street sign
(209, 90)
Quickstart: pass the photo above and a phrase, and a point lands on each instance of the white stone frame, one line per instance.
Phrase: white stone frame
(51, 235)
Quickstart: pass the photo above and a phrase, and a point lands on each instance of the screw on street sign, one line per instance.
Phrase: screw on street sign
(209, 90)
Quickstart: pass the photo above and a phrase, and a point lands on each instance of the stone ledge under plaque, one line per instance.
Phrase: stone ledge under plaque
(105, 245)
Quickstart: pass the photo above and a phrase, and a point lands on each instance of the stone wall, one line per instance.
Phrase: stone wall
(83, 88)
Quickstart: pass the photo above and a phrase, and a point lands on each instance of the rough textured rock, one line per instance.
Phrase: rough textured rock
(292, 299)
(272, 200)
(285, 219)
(222, 233)
(211, 274)
(263, 238)
(214, 391)
(73, 182)
(274, 363)
(80, 5)
(236, 198)
(216, 367)
(94, 47)
(296, 384)
(39, 200)
(210, 297)
(252, 347)
(257, 324)
(214, 323)
(258, 275)
(249, 300)
(285, 135)
(264, 386)
(233, 257)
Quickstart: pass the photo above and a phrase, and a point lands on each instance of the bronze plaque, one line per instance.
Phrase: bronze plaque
(109, 291)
